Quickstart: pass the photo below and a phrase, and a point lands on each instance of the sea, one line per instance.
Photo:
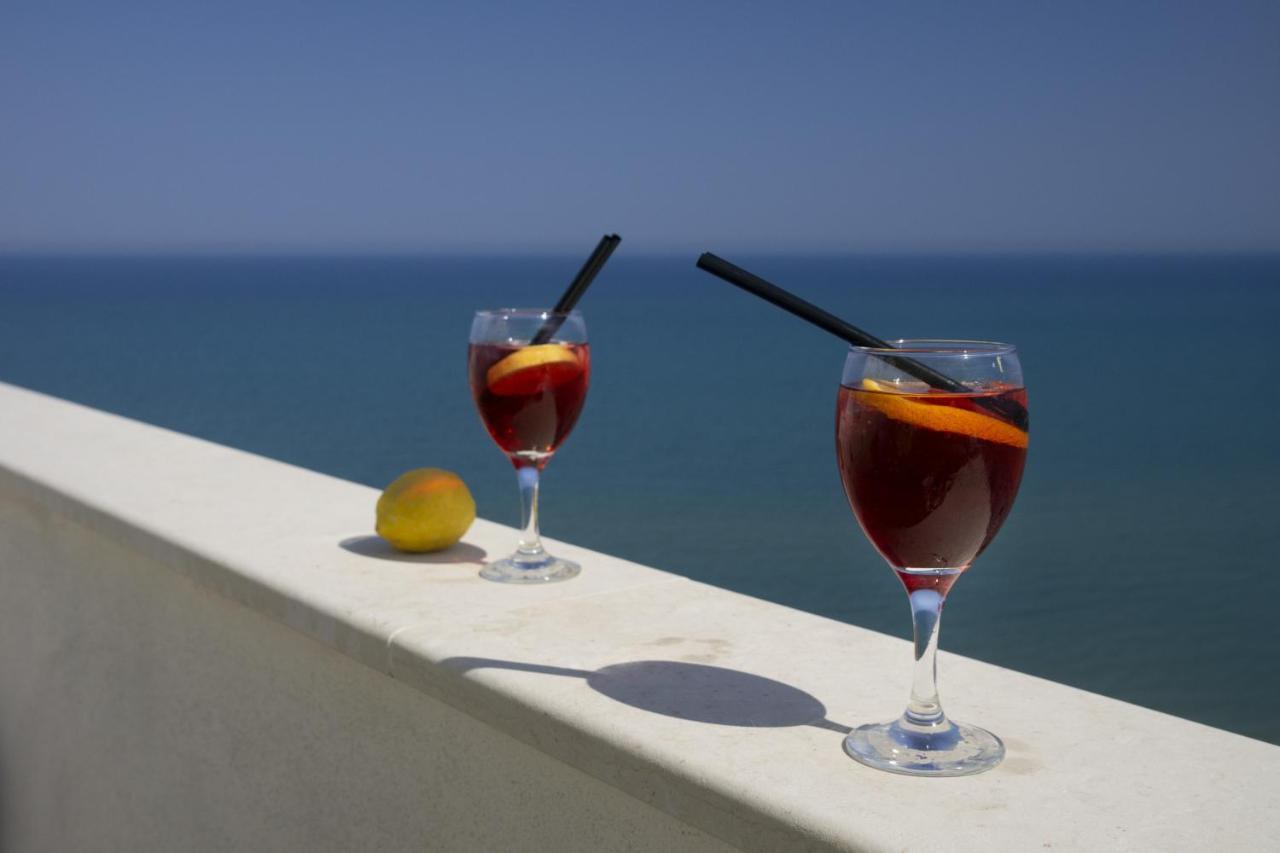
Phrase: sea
(1141, 560)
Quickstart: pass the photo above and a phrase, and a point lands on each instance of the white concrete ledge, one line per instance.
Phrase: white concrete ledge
(628, 709)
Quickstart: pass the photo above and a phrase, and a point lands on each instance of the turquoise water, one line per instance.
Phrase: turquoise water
(1140, 560)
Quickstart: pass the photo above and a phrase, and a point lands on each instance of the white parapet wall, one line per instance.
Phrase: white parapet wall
(202, 649)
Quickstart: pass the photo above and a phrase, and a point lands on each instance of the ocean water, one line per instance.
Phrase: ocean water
(1142, 559)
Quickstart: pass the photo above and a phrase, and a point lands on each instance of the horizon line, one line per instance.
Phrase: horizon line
(472, 253)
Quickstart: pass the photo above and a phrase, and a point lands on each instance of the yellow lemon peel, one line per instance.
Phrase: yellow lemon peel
(912, 409)
(553, 359)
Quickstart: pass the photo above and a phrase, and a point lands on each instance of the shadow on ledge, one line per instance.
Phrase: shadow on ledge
(377, 547)
(687, 691)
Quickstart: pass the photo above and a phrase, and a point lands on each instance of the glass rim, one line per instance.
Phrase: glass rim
(530, 313)
(938, 346)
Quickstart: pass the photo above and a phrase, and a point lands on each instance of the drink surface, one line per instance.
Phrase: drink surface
(930, 476)
(529, 397)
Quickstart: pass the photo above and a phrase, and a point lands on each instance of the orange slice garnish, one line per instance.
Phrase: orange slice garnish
(913, 410)
(532, 369)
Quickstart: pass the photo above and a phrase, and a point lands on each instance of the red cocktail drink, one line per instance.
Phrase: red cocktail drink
(529, 370)
(930, 475)
(931, 441)
(529, 397)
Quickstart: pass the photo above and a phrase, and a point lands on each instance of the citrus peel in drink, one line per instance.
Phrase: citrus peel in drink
(533, 368)
(426, 509)
(914, 410)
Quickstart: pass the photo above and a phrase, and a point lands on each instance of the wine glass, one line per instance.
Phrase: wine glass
(529, 369)
(931, 476)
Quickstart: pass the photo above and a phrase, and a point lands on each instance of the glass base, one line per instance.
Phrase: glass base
(547, 570)
(943, 749)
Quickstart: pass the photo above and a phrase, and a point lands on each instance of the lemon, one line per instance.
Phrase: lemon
(532, 368)
(426, 509)
(914, 410)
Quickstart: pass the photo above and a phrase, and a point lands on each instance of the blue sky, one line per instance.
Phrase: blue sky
(805, 127)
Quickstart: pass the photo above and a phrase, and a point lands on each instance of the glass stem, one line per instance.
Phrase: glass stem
(925, 709)
(530, 549)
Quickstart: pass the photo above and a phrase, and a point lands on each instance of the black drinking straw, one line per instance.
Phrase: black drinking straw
(1010, 410)
(590, 268)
